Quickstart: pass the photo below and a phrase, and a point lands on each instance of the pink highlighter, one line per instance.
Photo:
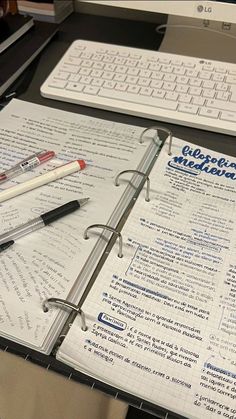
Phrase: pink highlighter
(27, 164)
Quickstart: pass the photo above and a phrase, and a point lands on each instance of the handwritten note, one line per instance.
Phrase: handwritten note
(47, 263)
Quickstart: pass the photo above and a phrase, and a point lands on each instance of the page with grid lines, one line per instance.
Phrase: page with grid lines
(161, 320)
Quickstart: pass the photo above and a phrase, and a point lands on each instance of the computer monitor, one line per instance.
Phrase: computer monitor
(205, 29)
(224, 11)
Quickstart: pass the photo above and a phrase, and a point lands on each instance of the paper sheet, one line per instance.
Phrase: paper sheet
(46, 263)
(161, 320)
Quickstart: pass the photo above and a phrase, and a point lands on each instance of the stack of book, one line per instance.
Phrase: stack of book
(48, 10)
(21, 40)
(12, 27)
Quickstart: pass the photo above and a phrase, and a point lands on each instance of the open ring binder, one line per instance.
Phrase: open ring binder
(156, 321)
(67, 304)
(105, 227)
(158, 128)
(147, 198)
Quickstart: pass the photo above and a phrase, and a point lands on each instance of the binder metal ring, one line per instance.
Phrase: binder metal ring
(147, 198)
(67, 304)
(158, 128)
(105, 227)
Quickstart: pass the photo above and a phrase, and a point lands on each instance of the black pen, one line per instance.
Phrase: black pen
(5, 246)
(7, 239)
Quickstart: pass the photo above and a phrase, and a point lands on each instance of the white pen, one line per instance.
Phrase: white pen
(59, 172)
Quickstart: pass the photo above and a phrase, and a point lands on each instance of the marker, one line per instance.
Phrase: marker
(27, 164)
(59, 172)
(7, 239)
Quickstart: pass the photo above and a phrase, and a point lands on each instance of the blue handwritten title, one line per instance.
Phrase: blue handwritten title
(203, 163)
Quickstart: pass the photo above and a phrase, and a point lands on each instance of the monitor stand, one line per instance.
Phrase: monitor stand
(200, 42)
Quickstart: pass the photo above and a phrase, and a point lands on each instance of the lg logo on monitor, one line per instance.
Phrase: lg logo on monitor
(206, 9)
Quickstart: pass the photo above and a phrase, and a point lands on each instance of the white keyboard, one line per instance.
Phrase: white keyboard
(163, 87)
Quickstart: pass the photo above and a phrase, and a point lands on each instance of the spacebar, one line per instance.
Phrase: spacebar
(143, 100)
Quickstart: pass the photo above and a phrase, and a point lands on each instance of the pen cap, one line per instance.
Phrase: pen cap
(57, 213)
(45, 156)
(67, 169)
(82, 164)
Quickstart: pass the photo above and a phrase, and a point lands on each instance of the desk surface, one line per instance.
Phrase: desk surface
(117, 31)
(123, 32)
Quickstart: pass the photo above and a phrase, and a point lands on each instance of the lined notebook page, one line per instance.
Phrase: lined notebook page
(161, 320)
(47, 262)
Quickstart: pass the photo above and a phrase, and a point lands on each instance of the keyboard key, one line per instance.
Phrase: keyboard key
(86, 55)
(73, 60)
(169, 86)
(108, 59)
(58, 84)
(145, 73)
(75, 77)
(218, 77)
(182, 88)
(233, 94)
(86, 63)
(182, 80)
(69, 68)
(222, 86)
(121, 86)
(195, 82)
(228, 116)
(208, 93)
(143, 82)
(119, 77)
(208, 84)
(107, 67)
(85, 71)
(156, 84)
(121, 69)
(62, 75)
(222, 95)
(133, 71)
(97, 82)
(184, 98)
(75, 87)
(169, 77)
(198, 100)
(195, 91)
(86, 80)
(192, 109)
(218, 104)
(131, 79)
(210, 113)
(96, 73)
(150, 101)
(133, 89)
(171, 96)
(156, 75)
(158, 93)
(179, 71)
(146, 91)
(231, 79)
(109, 84)
(204, 75)
(108, 75)
(99, 66)
(142, 64)
(91, 90)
